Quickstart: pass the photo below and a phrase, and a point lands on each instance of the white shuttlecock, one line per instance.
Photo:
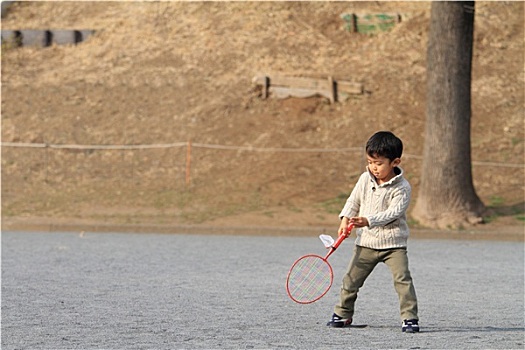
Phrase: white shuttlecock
(327, 240)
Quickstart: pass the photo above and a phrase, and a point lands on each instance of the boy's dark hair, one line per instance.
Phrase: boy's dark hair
(384, 144)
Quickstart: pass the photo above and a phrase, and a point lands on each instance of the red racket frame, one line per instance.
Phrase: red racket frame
(336, 244)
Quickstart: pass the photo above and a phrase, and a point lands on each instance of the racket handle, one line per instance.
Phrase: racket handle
(343, 236)
(340, 240)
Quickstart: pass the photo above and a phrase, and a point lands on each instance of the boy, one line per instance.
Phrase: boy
(377, 207)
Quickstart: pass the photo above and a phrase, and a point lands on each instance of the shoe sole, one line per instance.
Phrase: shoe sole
(410, 331)
(329, 324)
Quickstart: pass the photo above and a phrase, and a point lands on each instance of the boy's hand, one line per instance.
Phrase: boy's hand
(343, 226)
(359, 221)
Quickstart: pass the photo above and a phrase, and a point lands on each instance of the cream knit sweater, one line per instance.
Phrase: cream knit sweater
(385, 208)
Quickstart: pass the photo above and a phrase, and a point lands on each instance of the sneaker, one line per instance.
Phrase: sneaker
(339, 322)
(410, 326)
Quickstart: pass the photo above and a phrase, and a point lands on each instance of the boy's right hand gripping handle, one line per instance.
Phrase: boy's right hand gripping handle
(340, 240)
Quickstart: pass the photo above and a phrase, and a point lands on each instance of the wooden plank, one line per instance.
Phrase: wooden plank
(38, 38)
(299, 82)
(378, 22)
(44, 38)
(283, 87)
(368, 23)
(304, 86)
(285, 92)
(385, 17)
(64, 37)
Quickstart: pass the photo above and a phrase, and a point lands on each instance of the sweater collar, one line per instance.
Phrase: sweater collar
(397, 178)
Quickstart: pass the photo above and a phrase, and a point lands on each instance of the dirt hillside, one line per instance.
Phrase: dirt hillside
(169, 72)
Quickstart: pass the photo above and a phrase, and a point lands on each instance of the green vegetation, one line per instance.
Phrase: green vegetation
(496, 201)
(497, 209)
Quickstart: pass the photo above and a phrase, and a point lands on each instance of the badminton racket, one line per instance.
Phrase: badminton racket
(311, 276)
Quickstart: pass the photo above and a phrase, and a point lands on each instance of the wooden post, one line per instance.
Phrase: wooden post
(47, 163)
(266, 87)
(354, 23)
(188, 163)
(332, 90)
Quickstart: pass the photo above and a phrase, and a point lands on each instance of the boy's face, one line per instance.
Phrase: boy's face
(382, 168)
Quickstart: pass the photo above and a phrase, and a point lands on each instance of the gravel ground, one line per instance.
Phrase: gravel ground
(161, 291)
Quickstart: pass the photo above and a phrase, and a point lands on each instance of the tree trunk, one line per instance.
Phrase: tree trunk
(447, 198)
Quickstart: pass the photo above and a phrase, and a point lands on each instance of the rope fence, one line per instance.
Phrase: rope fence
(190, 145)
(180, 174)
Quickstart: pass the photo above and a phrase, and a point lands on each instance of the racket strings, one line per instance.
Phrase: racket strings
(309, 279)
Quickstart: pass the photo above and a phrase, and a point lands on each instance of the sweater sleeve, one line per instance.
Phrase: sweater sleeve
(397, 208)
(353, 203)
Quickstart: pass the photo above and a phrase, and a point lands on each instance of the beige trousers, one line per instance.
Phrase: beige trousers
(363, 262)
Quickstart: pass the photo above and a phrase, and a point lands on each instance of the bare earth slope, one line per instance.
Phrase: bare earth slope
(168, 72)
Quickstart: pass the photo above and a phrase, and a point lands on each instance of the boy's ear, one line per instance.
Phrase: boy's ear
(396, 161)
